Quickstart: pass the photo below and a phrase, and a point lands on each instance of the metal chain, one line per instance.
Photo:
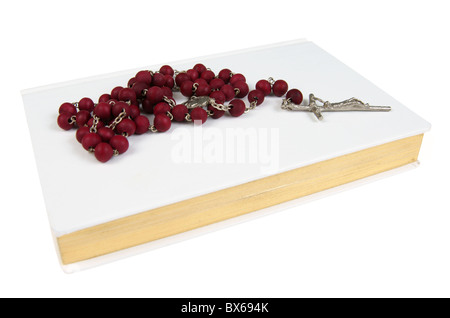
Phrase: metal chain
(252, 106)
(94, 124)
(219, 106)
(118, 119)
(271, 81)
(169, 101)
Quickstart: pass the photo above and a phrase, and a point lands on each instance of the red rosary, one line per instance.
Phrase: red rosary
(103, 128)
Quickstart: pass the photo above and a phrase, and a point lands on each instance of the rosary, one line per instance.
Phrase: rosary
(103, 127)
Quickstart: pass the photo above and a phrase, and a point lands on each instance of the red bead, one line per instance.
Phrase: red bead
(139, 88)
(166, 70)
(158, 80)
(82, 117)
(161, 108)
(179, 112)
(186, 88)
(193, 74)
(238, 108)
(131, 82)
(103, 152)
(154, 94)
(201, 81)
(68, 108)
(103, 111)
(104, 98)
(295, 95)
(115, 92)
(99, 124)
(199, 114)
(216, 83)
(118, 107)
(134, 111)
(200, 68)
(119, 143)
(162, 122)
(63, 121)
(147, 106)
(180, 78)
(256, 95)
(228, 91)
(81, 132)
(142, 124)
(144, 76)
(264, 86)
(280, 88)
(242, 87)
(167, 91)
(207, 75)
(169, 81)
(90, 140)
(203, 90)
(215, 112)
(225, 75)
(86, 104)
(105, 133)
(237, 77)
(218, 96)
(126, 126)
(127, 94)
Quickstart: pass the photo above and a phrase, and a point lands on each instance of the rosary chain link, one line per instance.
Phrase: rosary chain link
(271, 80)
(219, 106)
(169, 101)
(118, 119)
(152, 128)
(252, 106)
(94, 124)
(72, 119)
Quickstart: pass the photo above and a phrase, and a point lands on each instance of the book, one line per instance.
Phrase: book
(192, 176)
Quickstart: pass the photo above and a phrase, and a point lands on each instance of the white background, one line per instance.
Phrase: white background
(390, 238)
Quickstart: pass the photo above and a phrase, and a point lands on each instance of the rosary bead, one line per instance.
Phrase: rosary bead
(203, 90)
(82, 117)
(199, 114)
(115, 92)
(256, 95)
(154, 94)
(68, 108)
(103, 152)
(142, 124)
(134, 111)
(63, 121)
(237, 77)
(161, 108)
(144, 76)
(103, 111)
(225, 75)
(169, 81)
(167, 92)
(207, 75)
(216, 113)
(105, 133)
(295, 96)
(264, 86)
(238, 108)
(193, 74)
(218, 96)
(131, 82)
(166, 70)
(126, 126)
(200, 68)
(158, 80)
(162, 122)
(186, 88)
(242, 87)
(216, 83)
(90, 140)
(90, 122)
(119, 143)
(201, 81)
(127, 94)
(86, 104)
(139, 88)
(180, 78)
(81, 132)
(104, 98)
(118, 107)
(179, 112)
(280, 88)
(147, 106)
(228, 91)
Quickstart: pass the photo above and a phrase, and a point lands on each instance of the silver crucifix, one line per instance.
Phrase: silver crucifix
(351, 104)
